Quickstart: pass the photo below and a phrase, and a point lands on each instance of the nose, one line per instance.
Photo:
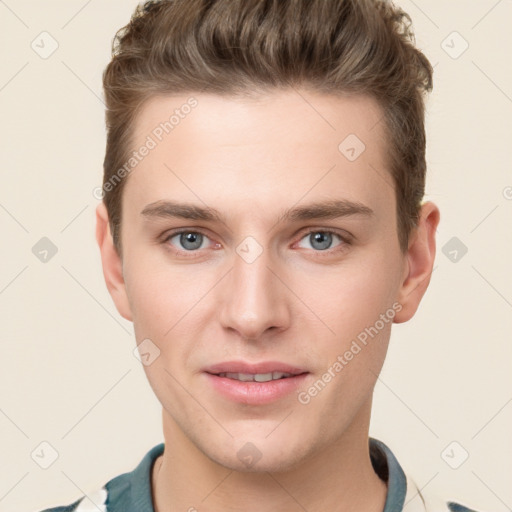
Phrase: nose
(253, 299)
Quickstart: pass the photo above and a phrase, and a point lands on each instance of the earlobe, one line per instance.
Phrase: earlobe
(111, 263)
(419, 262)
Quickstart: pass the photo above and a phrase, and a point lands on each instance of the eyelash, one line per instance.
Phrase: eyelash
(345, 240)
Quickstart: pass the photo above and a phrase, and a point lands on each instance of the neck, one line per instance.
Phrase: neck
(339, 478)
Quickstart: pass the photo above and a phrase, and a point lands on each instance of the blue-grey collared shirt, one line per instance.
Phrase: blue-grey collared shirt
(131, 492)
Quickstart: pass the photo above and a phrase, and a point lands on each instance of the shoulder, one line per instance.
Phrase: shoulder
(417, 501)
(96, 501)
(64, 508)
(403, 493)
(122, 493)
(455, 507)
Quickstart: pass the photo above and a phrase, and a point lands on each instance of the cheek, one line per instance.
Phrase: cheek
(352, 297)
(169, 307)
(357, 304)
(159, 294)
(362, 318)
(152, 303)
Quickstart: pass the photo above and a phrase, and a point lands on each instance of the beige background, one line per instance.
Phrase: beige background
(68, 374)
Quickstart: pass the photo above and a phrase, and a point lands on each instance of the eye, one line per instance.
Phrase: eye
(321, 240)
(187, 240)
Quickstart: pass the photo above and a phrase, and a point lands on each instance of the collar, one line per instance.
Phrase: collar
(131, 492)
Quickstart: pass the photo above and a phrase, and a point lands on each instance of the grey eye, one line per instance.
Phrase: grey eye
(320, 240)
(189, 240)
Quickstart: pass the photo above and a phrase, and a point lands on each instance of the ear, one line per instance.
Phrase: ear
(112, 263)
(419, 261)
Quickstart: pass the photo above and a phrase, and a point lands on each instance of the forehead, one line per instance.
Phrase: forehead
(261, 150)
(289, 113)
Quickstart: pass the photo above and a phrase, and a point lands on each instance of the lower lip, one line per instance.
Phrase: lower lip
(255, 393)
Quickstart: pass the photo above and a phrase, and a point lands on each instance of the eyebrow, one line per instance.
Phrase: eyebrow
(332, 209)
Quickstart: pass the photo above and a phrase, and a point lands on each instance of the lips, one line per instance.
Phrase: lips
(254, 383)
(256, 377)
(265, 367)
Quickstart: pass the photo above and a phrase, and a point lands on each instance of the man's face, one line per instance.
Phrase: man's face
(262, 290)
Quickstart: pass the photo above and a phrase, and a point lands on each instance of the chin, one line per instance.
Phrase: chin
(263, 465)
(259, 456)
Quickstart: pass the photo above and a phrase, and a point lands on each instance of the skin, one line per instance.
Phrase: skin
(251, 159)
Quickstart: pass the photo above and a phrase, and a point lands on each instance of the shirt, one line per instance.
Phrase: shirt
(131, 492)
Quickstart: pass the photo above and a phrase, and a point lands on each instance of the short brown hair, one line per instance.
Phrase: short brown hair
(231, 47)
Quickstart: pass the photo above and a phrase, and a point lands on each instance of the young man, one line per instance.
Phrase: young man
(263, 227)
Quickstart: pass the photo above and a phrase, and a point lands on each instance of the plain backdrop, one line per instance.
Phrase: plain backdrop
(68, 376)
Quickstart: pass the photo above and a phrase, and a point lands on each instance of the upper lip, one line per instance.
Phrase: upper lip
(253, 368)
